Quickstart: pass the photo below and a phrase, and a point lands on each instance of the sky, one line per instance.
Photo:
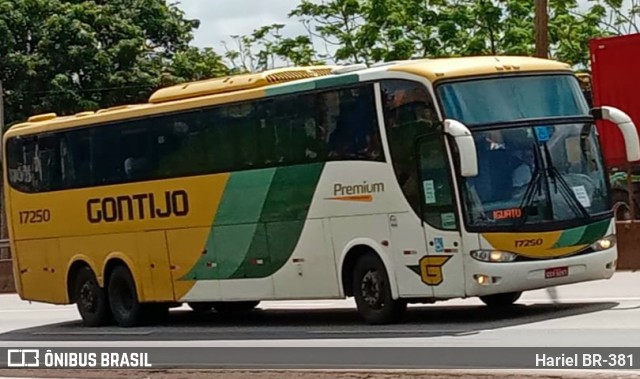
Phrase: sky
(220, 19)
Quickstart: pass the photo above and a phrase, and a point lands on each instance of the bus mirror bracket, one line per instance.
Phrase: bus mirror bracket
(626, 126)
(466, 147)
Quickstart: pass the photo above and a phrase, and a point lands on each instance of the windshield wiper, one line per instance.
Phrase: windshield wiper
(562, 187)
(535, 186)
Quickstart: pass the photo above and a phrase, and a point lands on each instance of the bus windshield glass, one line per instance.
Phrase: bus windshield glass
(534, 175)
(508, 99)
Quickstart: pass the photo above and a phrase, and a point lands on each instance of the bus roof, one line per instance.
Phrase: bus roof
(252, 86)
(451, 68)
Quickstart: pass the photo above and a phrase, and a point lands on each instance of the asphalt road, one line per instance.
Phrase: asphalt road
(603, 313)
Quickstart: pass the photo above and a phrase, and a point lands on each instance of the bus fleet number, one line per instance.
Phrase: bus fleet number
(529, 243)
(35, 217)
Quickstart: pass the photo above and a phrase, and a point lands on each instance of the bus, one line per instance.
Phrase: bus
(404, 182)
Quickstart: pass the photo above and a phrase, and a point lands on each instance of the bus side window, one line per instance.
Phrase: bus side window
(437, 192)
(409, 112)
(355, 134)
(20, 154)
(49, 165)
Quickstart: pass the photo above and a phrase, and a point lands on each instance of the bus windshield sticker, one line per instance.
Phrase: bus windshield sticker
(542, 133)
(582, 196)
(503, 214)
(448, 221)
(429, 191)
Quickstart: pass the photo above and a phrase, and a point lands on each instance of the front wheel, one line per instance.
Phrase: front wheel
(501, 299)
(372, 292)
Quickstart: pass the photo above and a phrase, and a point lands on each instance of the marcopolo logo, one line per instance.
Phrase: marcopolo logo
(356, 192)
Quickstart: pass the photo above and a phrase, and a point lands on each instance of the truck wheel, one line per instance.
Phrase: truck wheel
(501, 299)
(126, 309)
(235, 306)
(91, 300)
(372, 292)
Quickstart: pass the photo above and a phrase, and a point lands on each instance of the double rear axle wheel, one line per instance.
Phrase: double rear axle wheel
(118, 301)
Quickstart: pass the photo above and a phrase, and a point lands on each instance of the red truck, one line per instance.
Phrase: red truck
(615, 81)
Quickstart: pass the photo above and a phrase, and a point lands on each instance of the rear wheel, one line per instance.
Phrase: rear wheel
(126, 309)
(501, 299)
(91, 300)
(228, 307)
(372, 292)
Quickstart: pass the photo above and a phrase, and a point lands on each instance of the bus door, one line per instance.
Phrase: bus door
(442, 268)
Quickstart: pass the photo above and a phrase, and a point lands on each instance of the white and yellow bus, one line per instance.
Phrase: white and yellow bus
(412, 181)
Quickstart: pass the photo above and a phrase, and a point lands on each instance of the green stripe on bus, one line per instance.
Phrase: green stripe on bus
(234, 226)
(259, 223)
(282, 220)
(570, 237)
(290, 88)
(244, 197)
(594, 232)
(336, 81)
(583, 235)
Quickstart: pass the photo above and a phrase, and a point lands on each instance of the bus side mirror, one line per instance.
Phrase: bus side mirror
(628, 129)
(466, 147)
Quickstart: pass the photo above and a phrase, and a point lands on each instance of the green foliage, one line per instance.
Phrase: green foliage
(369, 31)
(71, 55)
(266, 48)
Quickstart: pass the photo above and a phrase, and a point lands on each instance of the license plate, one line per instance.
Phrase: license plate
(556, 272)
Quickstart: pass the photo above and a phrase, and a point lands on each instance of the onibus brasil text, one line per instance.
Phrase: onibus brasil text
(51, 359)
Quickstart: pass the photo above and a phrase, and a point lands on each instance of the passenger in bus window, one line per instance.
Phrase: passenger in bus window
(357, 116)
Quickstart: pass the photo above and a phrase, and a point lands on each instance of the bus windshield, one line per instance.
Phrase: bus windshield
(508, 99)
(532, 176)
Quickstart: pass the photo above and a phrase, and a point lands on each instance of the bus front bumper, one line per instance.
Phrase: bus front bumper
(483, 278)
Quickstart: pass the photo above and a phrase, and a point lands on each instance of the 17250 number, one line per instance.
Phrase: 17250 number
(38, 216)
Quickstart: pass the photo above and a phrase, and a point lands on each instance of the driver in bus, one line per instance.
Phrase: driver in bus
(523, 172)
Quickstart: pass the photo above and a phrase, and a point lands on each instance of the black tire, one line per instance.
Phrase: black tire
(372, 292)
(91, 300)
(232, 307)
(501, 299)
(200, 307)
(127, 311)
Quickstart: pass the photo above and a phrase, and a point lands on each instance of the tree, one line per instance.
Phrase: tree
(367, 31)
(71, 55)
(266, 48)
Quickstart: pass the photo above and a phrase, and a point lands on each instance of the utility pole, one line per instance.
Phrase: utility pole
(542, 29)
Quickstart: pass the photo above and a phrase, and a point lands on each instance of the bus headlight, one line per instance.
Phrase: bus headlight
(493, 256)
(606, 243)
